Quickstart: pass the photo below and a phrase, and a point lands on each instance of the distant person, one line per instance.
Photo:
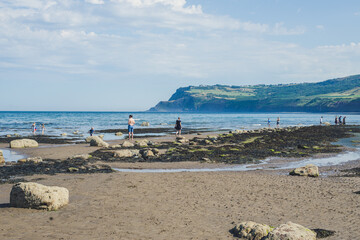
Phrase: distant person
(336, 120)
(278, 122)
(43, 129)
(33, 128)
(340, 122)
(268, 122)
(321, 120)
(91, 131)
(131, 124)
(344, 121)
(178, 126)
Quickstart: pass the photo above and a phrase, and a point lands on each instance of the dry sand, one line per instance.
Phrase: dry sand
(180, 205)
(184, 206)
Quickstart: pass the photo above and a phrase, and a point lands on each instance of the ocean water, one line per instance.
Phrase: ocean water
(68, 122)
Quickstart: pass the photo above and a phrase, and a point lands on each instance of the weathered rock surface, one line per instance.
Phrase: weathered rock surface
(309, 170)
(63, 134)
(145, 124)
(142, 143)
(38, 196)
(81, 156)
(98, 142)
(2, 159)
(126, 153)
(118, 134)
(291, 231)
(251, 230)
(34, 160)
(147, 153)
(23, 143)
(128, 144)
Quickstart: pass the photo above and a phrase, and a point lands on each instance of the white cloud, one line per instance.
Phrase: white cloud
(95, 1)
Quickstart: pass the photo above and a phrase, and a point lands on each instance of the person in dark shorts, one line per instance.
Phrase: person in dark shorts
(91, 131)
(131, 124)
(178, 126)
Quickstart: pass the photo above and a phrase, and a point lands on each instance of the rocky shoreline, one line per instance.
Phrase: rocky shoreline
(238, 147)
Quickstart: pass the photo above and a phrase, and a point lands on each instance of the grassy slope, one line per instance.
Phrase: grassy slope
(323, 96)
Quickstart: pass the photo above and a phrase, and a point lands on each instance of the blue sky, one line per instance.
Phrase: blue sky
(123, 55)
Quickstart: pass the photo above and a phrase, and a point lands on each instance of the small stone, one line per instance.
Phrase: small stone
(63, 134)
(34, 160)
(145, 124)
(127, 144)
(291, 231)
(309, 170)
(8, 135)
(118, 134)
(251, 230)
(73, 169)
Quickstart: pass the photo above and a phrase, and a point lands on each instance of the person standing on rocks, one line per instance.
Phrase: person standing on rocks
(321, 120)
(91, 131)
(344, 120)
(336, 120)
(131, 124)
(178, 126)
(278, 122)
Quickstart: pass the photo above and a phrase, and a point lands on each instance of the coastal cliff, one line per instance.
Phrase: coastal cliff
(334, 95)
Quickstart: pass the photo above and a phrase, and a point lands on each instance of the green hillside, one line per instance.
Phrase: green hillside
(335, 95)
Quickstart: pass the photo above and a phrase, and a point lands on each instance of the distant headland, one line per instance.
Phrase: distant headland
(334, 95)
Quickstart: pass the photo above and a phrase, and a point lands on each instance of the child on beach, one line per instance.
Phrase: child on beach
(43, 129)
(278, 121)
(33, 128)
(131, 124)
(321, 120)
(178, 126)
(91, 131)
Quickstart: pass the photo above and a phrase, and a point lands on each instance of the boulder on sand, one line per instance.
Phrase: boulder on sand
(251, 230)
(98, 142)
(309, 170)
(38, 196)
(291, 231)
(23, 143)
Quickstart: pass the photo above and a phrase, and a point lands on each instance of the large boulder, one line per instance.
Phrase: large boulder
(128, 144)
(309, 170)
(2, 159)
(23, 143)
(98, 142)
(38, 196)
(126, 153)
(291, 231)
(147, 153)
(251, 230)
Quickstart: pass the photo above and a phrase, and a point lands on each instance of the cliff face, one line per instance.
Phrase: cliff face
(335, 95)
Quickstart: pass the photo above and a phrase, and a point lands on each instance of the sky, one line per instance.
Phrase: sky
(127, 55)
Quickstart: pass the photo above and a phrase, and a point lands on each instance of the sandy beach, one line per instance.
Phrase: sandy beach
(184, 205)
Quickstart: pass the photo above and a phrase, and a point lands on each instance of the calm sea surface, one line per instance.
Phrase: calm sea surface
(68, 122)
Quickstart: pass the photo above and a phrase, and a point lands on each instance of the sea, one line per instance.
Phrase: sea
(57, 123)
